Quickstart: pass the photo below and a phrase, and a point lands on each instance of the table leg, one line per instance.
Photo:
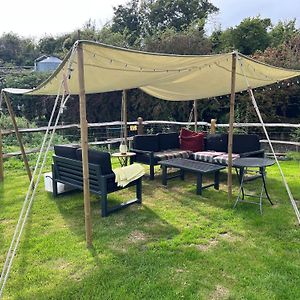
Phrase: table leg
(122, 161)
(263, 176)
(181, 174)
(241, 190)
(260, 199)
(217, 180)
(164, 175)
(199, 184)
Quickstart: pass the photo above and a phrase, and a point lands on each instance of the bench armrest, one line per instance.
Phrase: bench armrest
(142, 151)
(108, 176)
(257, 153)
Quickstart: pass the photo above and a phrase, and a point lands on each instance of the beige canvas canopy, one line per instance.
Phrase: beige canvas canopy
(165, 76)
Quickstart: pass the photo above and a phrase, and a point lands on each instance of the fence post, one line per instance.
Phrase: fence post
(140, 129)
(213, 125)
(1, 158)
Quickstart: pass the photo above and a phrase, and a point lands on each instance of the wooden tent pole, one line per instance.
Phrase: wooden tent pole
(124, 112)
(84, 146)
(231, 120)
(1, 158)
(18, 135)
(195, 115)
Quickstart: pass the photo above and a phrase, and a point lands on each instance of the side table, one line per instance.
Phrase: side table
(123, 157)
(252, 162)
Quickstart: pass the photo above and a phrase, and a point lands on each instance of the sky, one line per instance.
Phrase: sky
(37, 18)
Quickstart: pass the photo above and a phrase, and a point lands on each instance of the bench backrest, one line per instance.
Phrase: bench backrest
(69, 171)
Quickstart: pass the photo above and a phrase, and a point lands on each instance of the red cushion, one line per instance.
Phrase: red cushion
(190, 140)
(186, 132)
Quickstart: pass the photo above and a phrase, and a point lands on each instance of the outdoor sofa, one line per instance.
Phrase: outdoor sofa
(216, 147)
(153, 148)
(67, 169)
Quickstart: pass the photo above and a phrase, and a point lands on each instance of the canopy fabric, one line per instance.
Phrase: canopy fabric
(165, 76)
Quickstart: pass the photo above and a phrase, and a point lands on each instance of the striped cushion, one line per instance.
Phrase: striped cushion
(206, 156)
(223, 159)
(173, 153)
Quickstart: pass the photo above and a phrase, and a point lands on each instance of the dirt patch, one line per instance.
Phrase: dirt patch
(219, 293)
(137, 236)
(206, 247)
(228, 236)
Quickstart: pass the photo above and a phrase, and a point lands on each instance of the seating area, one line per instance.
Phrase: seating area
(212, 148)
(153, 149)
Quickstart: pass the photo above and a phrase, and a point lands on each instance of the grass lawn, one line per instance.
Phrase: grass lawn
(177, 245)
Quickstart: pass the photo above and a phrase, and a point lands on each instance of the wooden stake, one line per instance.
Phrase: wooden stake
(140, 128)
(231, 120)
(213, 125)
(195, 115)
(18, 135)
(124, 112)
(1, 158)
(84, 146)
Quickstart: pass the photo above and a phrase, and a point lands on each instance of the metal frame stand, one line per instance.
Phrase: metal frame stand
(242, 194)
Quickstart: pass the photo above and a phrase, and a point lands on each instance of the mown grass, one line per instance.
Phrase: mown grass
(177, 245)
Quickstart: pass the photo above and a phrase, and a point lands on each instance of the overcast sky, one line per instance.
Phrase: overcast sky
(36, 18)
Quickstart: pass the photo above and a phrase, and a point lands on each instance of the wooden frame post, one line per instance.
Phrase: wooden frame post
(124, 112)
(84, 146)
(231, 120)
(18, 135)
(195, 115)
(213, 125)
(1, 158)
(140, 126)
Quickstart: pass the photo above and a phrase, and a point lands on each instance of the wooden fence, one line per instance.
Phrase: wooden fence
(140, 126)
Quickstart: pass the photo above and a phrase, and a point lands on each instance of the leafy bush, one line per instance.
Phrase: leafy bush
(30, 140)
(293, 155)
(295, 136)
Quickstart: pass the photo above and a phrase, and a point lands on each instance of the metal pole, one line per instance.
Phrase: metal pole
(231, 120)
(84, 146)
(18, 135)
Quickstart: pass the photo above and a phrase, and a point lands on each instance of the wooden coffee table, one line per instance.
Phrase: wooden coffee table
(198, 167)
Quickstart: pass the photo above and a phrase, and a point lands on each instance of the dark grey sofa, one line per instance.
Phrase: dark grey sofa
(152, 148)
(244, 145)
(67, 169)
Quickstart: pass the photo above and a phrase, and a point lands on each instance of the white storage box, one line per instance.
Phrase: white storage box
(61, 188)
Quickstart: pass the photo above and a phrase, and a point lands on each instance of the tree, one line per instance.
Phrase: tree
(189, 41)
(128, 20)
(177, 14)
(247, 37)
(251, 35)
(16, 50)
(283, 32)
(137, 20)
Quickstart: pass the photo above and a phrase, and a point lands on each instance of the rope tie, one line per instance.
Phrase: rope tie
(33, 187)
(250, 91)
